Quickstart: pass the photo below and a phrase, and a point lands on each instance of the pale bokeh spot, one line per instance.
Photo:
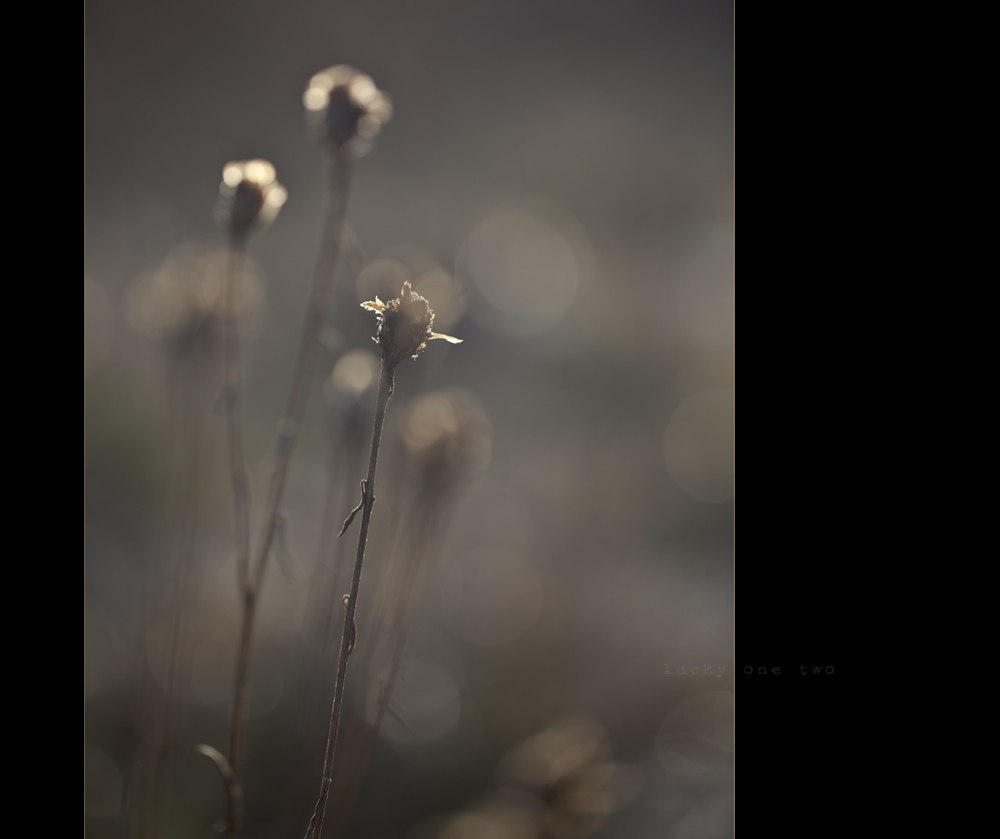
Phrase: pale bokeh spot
(526, 270)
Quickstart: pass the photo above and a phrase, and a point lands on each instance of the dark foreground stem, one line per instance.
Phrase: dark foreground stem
(315, 828)
(251, 579)
(403, 600)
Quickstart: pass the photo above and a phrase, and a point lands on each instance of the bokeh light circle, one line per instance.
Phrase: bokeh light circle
(525, 269)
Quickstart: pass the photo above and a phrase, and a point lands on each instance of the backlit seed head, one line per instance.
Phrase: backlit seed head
(250, 196)
(346, 108)
(404, 325)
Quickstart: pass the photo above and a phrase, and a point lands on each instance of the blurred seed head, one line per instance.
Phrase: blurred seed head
(404, 326)
(561, 783)
(250, 196)
(182, 300)
(562, 750)
(569, 766)
(345, 108)
(448, 434)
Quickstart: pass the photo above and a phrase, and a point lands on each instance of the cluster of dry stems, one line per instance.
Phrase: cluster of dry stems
(345, 110)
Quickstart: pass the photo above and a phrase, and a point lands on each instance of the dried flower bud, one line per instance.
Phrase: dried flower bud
(404, 325)
(250, 196)
(346, 107)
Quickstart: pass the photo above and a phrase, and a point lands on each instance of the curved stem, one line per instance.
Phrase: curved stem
(385, 381)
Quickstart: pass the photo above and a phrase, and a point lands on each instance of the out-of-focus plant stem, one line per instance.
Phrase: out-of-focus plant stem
(252, 578)
(241, 498)
(385, 383)
(335, 205)
(234, 411)
(187, 522)
(409, 597)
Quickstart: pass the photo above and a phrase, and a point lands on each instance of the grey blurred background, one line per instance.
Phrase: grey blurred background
(558, 180)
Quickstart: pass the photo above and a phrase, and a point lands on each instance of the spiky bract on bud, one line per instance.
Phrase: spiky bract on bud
(404, 325)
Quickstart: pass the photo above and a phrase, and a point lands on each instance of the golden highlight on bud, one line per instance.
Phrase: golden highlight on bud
(346, 107)
(250, 196)
(404, 325)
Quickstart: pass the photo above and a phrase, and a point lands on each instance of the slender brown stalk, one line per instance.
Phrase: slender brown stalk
(241, 498)
(404, 328)
(405, 598)
(335, 205)
(179, 596)
(234, 411)
(251, 579)
(385, 384)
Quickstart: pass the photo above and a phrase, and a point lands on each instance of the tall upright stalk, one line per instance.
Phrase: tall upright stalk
(250, 579)
(334, 209)
(234, 409)
(404, 327)
(385, 386)
(241, 500)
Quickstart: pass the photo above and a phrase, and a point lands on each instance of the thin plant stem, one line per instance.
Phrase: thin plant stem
(405, 598)
(352, 444)
(234, 412)
(335, 205)
(251, 579)
(241, 498)
(385, 383)
(181, 575)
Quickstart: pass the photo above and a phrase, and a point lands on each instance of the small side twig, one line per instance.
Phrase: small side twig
(355, 511)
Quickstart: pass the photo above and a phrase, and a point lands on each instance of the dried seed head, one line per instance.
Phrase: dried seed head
(404, 325)
(346, 107)
(250, 196)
